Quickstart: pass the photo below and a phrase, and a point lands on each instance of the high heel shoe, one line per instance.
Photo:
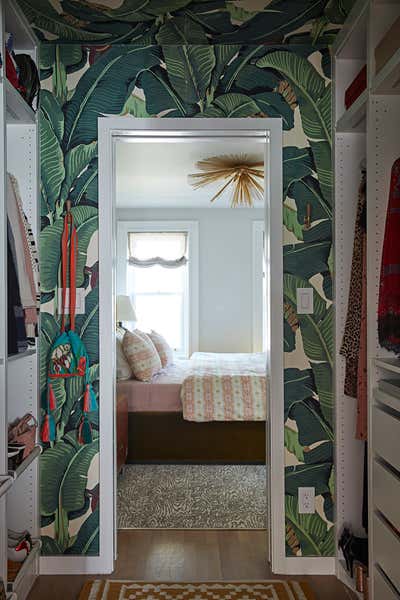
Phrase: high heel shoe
(354, 549)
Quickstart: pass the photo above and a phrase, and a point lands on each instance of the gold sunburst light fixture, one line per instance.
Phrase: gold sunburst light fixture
(241, 174)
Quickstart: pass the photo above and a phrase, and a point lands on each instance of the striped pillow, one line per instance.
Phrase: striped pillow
(123, 368)
(163, 348)
(141, 355)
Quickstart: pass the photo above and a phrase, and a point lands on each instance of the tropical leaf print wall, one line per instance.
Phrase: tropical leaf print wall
(190, 58)
(186, 21)
(195, 81)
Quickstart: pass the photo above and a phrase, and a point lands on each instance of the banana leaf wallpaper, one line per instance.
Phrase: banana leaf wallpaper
(199, 59)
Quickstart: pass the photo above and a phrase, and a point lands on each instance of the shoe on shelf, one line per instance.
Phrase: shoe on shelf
(19, 552)
(16, 537)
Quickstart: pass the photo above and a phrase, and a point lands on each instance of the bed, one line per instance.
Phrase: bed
(209, 409)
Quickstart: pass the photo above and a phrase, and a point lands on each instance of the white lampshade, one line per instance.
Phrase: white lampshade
(125, 309)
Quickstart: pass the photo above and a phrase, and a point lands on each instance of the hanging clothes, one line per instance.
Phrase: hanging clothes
(16, 332)
(354, 344)
(362, 365)
(389, 290)
(25, 256)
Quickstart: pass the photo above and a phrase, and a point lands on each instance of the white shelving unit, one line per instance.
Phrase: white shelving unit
(350, 54)
(369, 130)
(19, 391)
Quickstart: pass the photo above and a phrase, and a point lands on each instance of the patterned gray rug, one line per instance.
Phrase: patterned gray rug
(192, 497)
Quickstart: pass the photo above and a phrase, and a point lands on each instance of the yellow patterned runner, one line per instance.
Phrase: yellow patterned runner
(108, 589)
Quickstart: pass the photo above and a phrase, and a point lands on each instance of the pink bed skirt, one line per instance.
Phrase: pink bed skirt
(161, 394)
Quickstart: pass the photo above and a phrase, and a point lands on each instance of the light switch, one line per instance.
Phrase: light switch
(305, 301)
(80, 301)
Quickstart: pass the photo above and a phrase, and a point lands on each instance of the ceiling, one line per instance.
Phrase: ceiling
(155, 174)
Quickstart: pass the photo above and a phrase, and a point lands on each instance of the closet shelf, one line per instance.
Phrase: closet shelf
(351, 41)
(30, 352)
(6, 482)
(388, 364)
(25, 463)
(387, 81)
(18, 111)
(26, 568)
(387, 399)
(354, 119)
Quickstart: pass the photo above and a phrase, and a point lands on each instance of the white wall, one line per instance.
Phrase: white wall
(225, 271)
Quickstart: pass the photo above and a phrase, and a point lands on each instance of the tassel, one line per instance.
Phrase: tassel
(52, 398)
(93, 400)
(48, 432)
(89, 399)
(85, 431)
(86, 399)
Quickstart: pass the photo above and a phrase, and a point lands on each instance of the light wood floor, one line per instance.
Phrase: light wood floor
(162, 555)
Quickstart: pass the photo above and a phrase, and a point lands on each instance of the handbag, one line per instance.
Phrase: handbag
(28, 77)
(23, 431)
(68, 355)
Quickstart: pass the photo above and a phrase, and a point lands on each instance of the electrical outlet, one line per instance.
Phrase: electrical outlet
(80, 301)
(306, 500)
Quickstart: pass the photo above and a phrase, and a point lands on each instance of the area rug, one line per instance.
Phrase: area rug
(192, 497)
(129, 590)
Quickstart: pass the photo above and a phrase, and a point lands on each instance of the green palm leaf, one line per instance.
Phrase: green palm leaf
(276, 21)
(238, 68)
(87, 540)
(160, 95)
(142, 10)
(189, 71)
(306, 260)
(313, 95)
(73, 483)
(104, 89)
(315, 475)
(86, 221)
(51, 110)
(88, 325)
(312, 532)
(42, 15)
(292, 445)
(76, 160)
(236, 105)
(297, 164)
(223, 55)
(290, 221)
(181, 31)
(52, 164)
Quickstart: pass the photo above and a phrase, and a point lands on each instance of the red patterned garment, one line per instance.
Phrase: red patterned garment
(389, 291)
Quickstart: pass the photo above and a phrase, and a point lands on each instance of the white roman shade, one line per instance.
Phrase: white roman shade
(167, 249)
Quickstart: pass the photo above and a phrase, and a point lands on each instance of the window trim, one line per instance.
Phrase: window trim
(192, 229)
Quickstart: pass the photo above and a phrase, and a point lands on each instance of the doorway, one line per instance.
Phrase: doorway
(152, 137)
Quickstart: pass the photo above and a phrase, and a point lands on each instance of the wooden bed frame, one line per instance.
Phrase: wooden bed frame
(168, 438)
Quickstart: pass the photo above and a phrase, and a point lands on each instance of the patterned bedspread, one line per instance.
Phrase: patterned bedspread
(225, 387)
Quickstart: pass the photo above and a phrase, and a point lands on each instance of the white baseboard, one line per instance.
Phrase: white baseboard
(306, 566)
(74, 565)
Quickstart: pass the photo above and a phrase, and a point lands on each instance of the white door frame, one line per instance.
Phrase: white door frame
(269, 129)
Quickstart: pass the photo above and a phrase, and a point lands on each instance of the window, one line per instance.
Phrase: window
(158, 282)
